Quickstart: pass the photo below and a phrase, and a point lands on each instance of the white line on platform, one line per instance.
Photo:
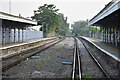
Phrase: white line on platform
(24, 43)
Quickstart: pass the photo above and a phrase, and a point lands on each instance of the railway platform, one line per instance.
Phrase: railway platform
(15, 48)
(107, 49)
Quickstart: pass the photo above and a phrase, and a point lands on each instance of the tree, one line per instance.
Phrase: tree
(80, 27)
(64, 26)
(47, 15)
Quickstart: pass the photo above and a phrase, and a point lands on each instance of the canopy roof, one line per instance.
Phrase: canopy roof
(19, 19)
(107, 13)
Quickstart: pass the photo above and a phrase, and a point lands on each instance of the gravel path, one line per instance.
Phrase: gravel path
(49, 65)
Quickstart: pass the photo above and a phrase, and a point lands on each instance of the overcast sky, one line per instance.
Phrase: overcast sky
(74, 9)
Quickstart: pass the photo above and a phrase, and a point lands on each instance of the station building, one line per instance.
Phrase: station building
(109, 19)
(13, 29)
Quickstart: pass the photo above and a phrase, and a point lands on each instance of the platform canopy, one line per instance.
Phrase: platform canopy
(109, 16)
(13, 18)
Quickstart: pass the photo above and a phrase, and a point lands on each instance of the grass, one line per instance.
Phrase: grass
(41, 64)
(88, 76)
(48, 58)
(51, 52)
(77, 76)
(69, 76)
(56, 64)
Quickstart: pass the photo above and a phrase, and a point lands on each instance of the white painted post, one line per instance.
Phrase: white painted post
(9, 35)
(116, 37)
(113, 36)
(0, 47)
(1, 33)
(14, 34)
(110, 36)
(105, 35)
(22, 35)
(18, 35)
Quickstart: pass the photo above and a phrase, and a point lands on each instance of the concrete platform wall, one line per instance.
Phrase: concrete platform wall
(33, 34)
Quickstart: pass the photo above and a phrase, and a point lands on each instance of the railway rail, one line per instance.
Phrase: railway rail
(76, 74)
(13, 60)
(77, 70)
(77, 61)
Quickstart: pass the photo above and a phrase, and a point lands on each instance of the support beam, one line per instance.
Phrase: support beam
(113, 36)
(119, 38)
(3, 35)
(110, 36)
(22, 35)
(102, 35)
(105, 35)
(94, 33)
(18, 34)
(116, 37)
(0, 47)
(0, 33)
(14, 35)
(9, 35)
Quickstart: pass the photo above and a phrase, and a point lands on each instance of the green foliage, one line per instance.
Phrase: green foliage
(91, 28)
(47, 15)
(41, 64)
(56, 64)
(63, 28)
(69, 76)
(80, 27)
(88, 76)
(100, 29)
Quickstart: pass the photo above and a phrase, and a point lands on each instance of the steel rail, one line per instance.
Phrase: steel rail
(7, 66)
(97, 62)
(79, 61)
(76, 74)
(24, 51)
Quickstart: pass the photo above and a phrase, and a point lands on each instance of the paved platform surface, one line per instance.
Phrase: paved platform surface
(25, 42)
(16, 48)
(111, 51)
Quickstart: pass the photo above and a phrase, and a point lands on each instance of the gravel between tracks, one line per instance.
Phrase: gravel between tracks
(49, 65)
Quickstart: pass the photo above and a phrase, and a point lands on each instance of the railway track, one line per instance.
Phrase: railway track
(76, 74)
(77, 70)
(13, 60)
